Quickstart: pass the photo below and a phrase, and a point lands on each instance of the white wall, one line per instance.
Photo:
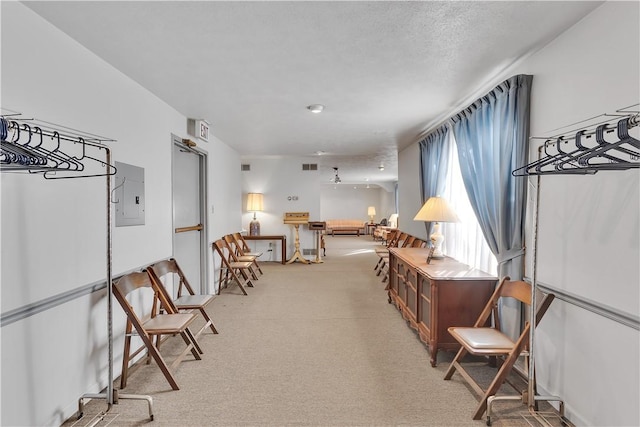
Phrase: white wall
(279, 178)
(409, 198)
(53, 232)
(588, 225)
(346, 202)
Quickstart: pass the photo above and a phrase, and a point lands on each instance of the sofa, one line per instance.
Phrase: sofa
(345, 226)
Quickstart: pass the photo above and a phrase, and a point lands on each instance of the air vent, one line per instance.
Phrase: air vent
(309, 166)
(245, 168)
(308, 251)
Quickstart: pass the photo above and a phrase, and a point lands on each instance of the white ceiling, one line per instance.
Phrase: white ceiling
(386, 70)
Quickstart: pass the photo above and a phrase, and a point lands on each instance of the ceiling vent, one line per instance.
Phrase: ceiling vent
(245, 167)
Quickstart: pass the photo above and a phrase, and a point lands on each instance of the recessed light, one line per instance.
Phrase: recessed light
(381, 167)
(315, 108)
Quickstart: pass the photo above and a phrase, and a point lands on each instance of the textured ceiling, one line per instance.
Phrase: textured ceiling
(386, 71)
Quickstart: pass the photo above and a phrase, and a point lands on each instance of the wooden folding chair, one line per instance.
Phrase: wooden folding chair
(383, 252)
(412, 242)
(403, 240)
(490, 341)
(186, 299)
(233, 246)
(231, 268)
(244, 250)
(153, 324)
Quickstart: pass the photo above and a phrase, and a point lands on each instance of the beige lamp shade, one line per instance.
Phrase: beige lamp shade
(436, 209)
(371, 210)
(393, 220)
(255, 202)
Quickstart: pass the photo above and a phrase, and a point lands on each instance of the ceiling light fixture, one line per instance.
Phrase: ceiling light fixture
(381, 167)
(336, 179)
(315, 108)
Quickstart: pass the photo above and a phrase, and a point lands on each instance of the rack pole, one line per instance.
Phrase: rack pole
(532, 398)
(111, 395)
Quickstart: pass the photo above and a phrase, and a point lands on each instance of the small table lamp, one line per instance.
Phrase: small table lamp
(371, 212)
(436, 210)
(393, 221)
(254, 204)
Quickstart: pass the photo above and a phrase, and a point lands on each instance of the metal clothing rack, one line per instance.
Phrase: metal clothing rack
(621, 154)
(57, 152)
(587, 150)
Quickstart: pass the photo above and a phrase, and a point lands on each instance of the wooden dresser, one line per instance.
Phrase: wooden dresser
(432, 297)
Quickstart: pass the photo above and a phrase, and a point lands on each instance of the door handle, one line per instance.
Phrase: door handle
(192, 228)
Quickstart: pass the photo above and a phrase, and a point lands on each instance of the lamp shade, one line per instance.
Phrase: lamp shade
(371, 210)
(436, 209)
(255, 202)
(393, 220)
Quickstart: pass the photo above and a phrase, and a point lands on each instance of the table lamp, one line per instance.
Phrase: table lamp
(436, 210)
(254, 204)
(393, 220)
(371, 212)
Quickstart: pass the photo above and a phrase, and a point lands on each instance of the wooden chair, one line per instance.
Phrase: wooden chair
(490, 341)
(153, 324)
(413, 242)
(244, 249)
(383, 252)
(231, 268)
(237, 249)
(402, 240)
(186, 299)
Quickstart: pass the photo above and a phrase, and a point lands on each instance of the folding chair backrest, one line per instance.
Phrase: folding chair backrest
(133, 282)
(418, 243)
(519, 290)
(408, 241)
(396, 237)
(171, 269)
(233, 245)
(241, 242)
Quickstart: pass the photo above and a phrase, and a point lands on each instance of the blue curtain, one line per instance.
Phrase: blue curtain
(434, 163)
(492, 139)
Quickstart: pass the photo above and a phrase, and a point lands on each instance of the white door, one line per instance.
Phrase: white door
(189, 238)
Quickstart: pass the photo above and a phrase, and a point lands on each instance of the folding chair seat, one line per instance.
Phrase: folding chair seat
(489, 341)
(231, 268)
(241, 256)
(186, 300)
(132, 291)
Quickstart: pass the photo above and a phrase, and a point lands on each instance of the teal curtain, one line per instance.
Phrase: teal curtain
(492, 140)
(434, 164)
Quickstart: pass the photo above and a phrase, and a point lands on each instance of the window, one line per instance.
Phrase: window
(464, 241)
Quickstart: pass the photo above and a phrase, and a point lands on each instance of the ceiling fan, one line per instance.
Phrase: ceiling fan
(337, 179)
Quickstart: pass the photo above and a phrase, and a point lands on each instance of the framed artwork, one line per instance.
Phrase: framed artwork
(430, 256)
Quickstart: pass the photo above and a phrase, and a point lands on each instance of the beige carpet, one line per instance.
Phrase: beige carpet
(311, 345)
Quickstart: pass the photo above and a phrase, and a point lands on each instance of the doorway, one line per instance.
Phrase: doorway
(189, 190)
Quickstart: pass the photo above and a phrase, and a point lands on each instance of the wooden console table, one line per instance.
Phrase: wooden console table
(283, 240)
(433, 297)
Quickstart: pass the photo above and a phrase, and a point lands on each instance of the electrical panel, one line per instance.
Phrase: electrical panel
(128, 195)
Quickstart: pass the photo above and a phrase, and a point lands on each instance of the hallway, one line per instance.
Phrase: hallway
(313, 345)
